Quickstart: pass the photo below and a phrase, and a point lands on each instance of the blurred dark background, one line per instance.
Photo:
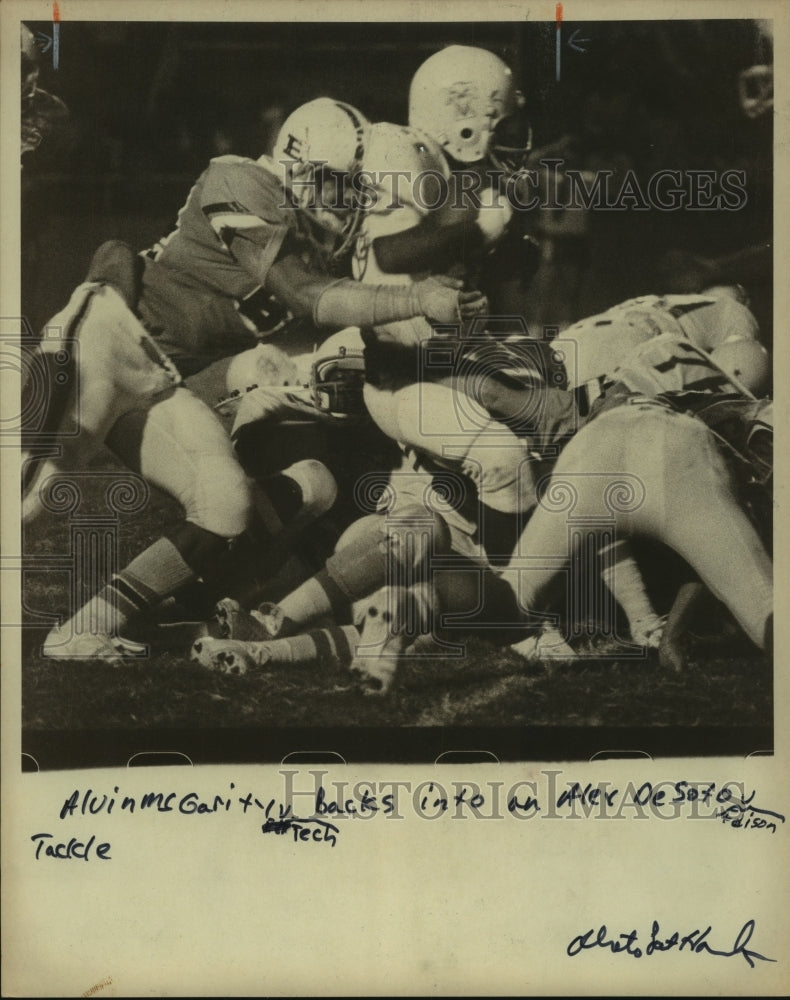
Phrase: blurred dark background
(150, 103)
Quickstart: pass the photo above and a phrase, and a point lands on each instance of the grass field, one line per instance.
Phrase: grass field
(490, 694)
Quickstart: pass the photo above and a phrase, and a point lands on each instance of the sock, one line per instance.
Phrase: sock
(151, 576)
(156, 573)
(327, 647)
(623, 579)
(310, 600)
(354, 571)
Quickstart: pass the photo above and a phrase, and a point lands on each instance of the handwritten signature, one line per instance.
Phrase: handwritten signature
(695, 941)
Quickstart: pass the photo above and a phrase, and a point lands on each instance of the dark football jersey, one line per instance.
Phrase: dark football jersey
(202, 294)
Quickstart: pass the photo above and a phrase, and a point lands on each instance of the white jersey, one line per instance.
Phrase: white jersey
(407, 168)
(670, 363)
(601, 341)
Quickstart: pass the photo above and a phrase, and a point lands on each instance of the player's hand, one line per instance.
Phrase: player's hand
(441, 299)
(471, 304)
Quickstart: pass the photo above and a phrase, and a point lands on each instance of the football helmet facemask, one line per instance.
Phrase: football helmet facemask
(465, 98)
(337, 377)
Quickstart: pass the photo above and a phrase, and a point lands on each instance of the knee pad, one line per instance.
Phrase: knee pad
(315, 485)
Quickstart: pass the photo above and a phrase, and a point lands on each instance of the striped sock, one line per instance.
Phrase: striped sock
(150, 577)
(326, 647)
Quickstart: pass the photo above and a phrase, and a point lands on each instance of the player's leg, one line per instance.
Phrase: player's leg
(94, 363)
(179, 446)
(457, 432)
(376, 554)
(701, 518)
(434, 617)
(572, 516)
(373, 552)
(687, 500)
(623, 579)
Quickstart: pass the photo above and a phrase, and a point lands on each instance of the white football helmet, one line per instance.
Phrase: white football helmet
(319, 146)
(466, 100)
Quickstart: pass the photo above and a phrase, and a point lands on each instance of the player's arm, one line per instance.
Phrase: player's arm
(436, 248)
(686, 272)
(426, 247)
(265, 246)
(344, 302)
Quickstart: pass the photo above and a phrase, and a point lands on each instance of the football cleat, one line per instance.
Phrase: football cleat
(265, 622)
(276, 624)
(329, 648)
(647, 632)
(547, 644)
(384, 635)
(234, 622)
(70, 646)
(228, 656)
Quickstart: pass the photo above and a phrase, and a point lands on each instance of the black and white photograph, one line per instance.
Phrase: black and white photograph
(395, 386)
(392, 530)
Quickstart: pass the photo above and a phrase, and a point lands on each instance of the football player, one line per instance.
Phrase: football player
(460, 445)
(446, 418)
(402, 394)
(450, 102)
(466, 100)
(256, 247)
(715, 318)
(417, 568)
(663, 372)
(686, 434)
(413, 239)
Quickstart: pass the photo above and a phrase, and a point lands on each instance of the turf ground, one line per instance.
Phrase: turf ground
(488, 699)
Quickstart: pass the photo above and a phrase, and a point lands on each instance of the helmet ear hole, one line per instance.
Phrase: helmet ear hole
(466, 133)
